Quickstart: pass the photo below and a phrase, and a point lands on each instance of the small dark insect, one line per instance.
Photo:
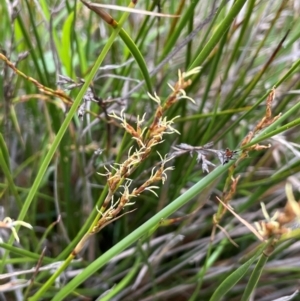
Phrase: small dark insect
(228, 155)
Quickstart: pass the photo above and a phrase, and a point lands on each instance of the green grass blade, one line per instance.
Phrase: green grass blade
(138, 57)
(216, 37)
(255, 276)
(234, 277)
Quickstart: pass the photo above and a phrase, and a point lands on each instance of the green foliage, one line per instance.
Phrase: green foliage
(105, 149)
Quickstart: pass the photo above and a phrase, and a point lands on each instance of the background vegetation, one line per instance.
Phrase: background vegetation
(105, 150)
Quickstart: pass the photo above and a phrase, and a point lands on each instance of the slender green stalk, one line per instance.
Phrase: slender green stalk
(209, 261)
(138, 57)
(124, 282)
(4, 151)
(39, 294)
(211, 26)
(25, 254)
(28, 41)
(175, 34)
(255, 276)
(242, 36)
(216, 37)
(38, 40)
(5, 166)
(268, 133)
(234, 277)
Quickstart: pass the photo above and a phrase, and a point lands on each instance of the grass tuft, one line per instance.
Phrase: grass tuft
(149, 151)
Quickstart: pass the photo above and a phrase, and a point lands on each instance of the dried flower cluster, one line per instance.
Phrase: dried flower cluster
(202, 151)
(272, 225)
(278, 227)
(281, 222)
(89, 96)
(146, 138)
(265, 122)
(226, 198)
